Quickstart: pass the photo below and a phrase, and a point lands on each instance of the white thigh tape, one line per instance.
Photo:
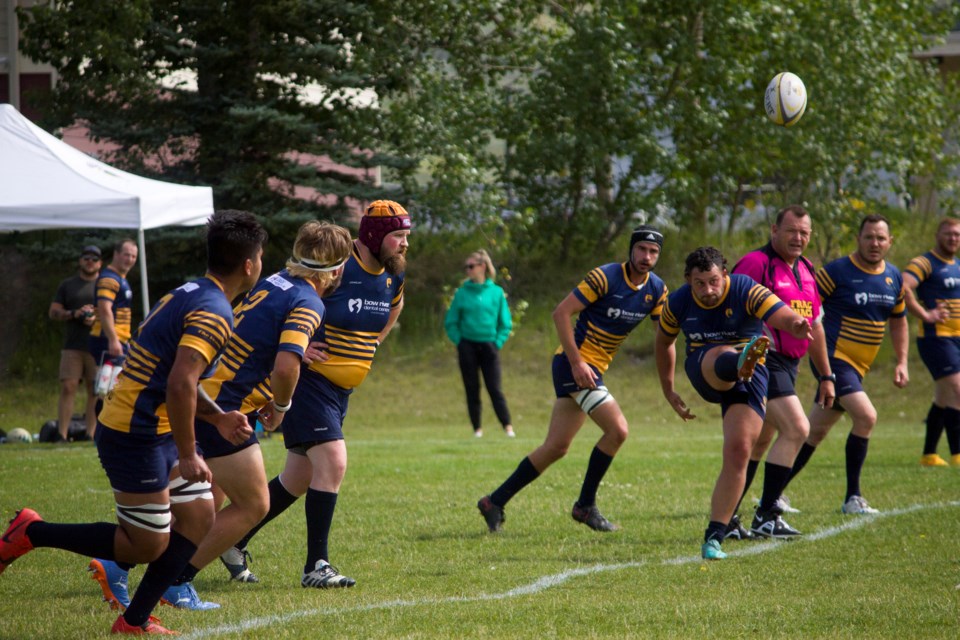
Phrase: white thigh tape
(152, 517)
(590, 399)
(182, 490)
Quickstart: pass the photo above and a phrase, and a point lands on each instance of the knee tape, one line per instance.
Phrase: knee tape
(590, 399)
(182, 491)
(152, 517)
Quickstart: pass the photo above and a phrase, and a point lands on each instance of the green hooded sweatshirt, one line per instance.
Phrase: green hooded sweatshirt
(479, 313)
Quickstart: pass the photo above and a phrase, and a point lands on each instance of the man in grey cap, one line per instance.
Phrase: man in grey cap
(73, 305)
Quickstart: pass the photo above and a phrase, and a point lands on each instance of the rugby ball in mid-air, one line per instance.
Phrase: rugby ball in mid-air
(19, 434)
(785, 99)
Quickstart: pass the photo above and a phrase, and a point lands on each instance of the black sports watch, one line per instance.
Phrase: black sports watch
(831, 378)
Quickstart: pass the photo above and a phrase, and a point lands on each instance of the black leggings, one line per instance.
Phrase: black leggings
(486, 357)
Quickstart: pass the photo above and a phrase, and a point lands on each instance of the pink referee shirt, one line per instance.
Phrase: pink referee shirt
(802, 296)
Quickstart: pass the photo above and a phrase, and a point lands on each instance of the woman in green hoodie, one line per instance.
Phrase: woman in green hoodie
(479, 322)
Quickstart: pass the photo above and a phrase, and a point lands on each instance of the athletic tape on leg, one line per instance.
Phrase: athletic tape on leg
(590, 399)
(182, 490)
(152, 517)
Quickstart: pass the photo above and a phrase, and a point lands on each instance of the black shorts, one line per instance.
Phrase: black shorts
(783, 375)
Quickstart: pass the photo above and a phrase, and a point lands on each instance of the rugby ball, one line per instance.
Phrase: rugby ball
(19, 434)
(785, 99)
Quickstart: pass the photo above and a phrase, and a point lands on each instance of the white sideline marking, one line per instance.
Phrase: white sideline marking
(547, 582)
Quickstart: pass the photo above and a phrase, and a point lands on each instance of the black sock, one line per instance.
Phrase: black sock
(524, 474)
(803, 457)
(187, 575)
(159, 575)
(280, 501)
(752, 466)
(856, 454)
(94, 540)
(596, 469)
(775, 477)
(726, 366)
(935, 425)
(319, 509)
(951, 423)
(715, 531)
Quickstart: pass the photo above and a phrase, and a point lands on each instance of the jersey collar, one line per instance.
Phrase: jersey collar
(859, 265)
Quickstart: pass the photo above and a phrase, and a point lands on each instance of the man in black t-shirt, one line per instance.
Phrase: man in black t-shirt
(73, 305)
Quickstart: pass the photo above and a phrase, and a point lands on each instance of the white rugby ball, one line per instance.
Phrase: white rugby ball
(19, 434)
(785, 99)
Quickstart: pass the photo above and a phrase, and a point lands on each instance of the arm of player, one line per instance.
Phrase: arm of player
(931, 316)
(105, 315)
(392, 320)
(232, 425)
(826, 390)
(786, 319)
(900, 335)
(283, 382)
(181, 410)
(665, 354)
(583, 375)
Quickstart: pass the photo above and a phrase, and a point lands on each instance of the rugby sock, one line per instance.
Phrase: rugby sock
(187, 575)
(935, 424)
(319, 509)
(715, 531)
(94, 540)
(752, 466)
(596, 469)
(803, 457)
(856, 454)
(726, 367)
(524, 474)
(951, 423)
(280, 501)
(159, 575)
(775, 477)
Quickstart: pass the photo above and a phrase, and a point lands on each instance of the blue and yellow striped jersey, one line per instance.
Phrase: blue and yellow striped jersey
(614, 307)
(196, 315)
(939, 281)
(356, 314)
(735, 319)
(280, 314)
(857, 302)
(113, 287)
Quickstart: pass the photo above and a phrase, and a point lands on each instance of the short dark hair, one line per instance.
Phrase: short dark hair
(704, 259)
(232, 237)
(874, 218)
(118, 245)
(797, 210)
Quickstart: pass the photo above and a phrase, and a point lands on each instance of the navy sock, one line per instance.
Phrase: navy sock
(803, 457)
(187, 575)
(951, 423)
(726, 366)
(319, 509)
(856, 454)
(935, 425)
(752, 467)
(524, 474)
(94, 540)
(715, 531)
(596, 469)
(159, 575)
(280, 501)
(775, 478)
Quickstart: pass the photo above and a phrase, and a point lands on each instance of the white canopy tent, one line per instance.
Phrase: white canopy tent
(47, 184)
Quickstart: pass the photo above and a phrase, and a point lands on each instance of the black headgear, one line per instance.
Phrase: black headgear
(644, 233)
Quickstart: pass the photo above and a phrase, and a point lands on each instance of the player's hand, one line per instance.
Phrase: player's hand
(270, 418)
(940, 313)
(233, 427)
(826, 394)
(315, 352)
(801, 329)
(194, 469)
(114, 348)
(900, 376)
(679, 406)
(584, 376)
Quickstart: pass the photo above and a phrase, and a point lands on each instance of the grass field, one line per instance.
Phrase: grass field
(408, 530)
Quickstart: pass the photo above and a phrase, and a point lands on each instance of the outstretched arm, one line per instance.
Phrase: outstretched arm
(665, 354)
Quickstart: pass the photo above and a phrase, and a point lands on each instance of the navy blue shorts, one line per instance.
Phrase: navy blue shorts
(136, 463)
(783, 375)
(214, 445)
(753, 393)
(563, 382)
(941, 355)
(848, 381)
(318, 411)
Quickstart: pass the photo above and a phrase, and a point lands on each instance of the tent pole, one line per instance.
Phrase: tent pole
(144, 287)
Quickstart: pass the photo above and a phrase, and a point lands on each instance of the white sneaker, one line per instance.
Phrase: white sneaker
(326, 576)
(509, 431)
(478, 433)
(856, 505)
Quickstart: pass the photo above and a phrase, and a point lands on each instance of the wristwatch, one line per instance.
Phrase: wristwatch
(832, 378)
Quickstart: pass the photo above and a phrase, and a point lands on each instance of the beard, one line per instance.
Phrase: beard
(396, 263)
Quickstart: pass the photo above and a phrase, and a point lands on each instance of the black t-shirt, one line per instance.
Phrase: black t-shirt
(73, 293)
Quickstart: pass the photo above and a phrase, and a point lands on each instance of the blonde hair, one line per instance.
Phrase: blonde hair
(321, 242)
(482, 256)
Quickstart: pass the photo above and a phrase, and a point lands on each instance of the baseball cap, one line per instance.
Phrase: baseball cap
(91, 250)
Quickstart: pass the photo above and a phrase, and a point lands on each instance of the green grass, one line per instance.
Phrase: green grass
(408, 531)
